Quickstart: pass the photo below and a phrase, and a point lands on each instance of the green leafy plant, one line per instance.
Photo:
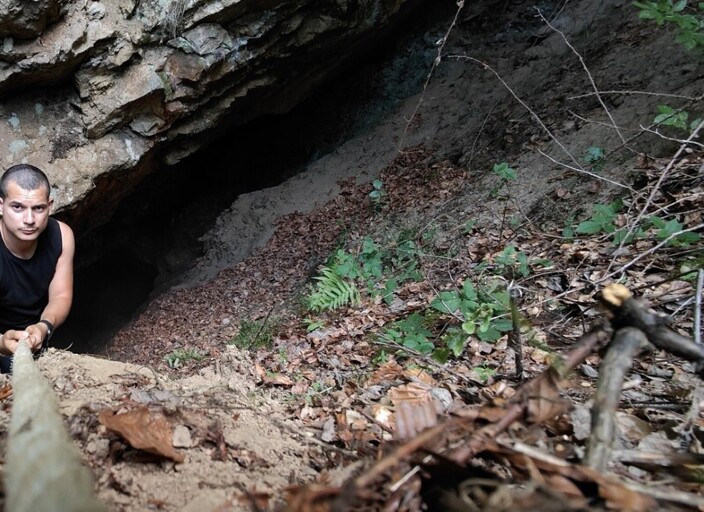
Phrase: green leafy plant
(378, 269)
(316, 391)
(688, 20)
(666, 229)
(377, 195)
(312, 324)
(255, 334)
(484, 372)
(412, 333)
(602, 220)
(568, 230)
(331, 291)
(595, 157)
(380, 357)
(510, 261)
(483, 313)
(668, 116)
(178, 357)
(468, 226)
(506, 174)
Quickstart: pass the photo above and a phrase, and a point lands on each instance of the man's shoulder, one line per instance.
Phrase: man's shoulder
(67, 238)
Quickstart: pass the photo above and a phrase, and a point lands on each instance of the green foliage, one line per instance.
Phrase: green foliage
(469, 226)
(377, 195)
(602, 219)
(331, 291)
(595, 157)
(666, 229)
(511, 261)
(312, 324)
(255, 334)
(568, 230)
(506, 173)
(380, 357)
(176, 358)
(484, 372)
(688, 20)
(668, 116)
(381, 269)
(316, 391)
(482, 312)
(412, 333)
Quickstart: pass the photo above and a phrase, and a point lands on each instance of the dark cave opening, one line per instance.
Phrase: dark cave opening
(153, 236)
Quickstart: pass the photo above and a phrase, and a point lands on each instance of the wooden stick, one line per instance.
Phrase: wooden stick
(626, 345)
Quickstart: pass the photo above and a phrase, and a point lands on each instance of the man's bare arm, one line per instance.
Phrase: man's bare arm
(60, 290)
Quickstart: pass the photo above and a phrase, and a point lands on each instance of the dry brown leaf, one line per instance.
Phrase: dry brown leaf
(387, 372)
(5, 391)
(414, 417)
(545, 401)
(420, 375)
(144, 430)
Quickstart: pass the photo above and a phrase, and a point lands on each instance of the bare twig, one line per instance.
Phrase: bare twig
(651, 197)
(582, 170)
(601, 123)
(650, 251)
(436, 62)
(665, 137)
(648, 93)
(523, 103)
(586, 70)
(698, 308)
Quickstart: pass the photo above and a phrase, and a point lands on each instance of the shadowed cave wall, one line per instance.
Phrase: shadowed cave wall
(153, 237)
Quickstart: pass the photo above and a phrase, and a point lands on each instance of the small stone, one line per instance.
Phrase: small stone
(182, 437)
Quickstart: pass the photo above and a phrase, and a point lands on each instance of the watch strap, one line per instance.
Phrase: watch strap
(49, 328)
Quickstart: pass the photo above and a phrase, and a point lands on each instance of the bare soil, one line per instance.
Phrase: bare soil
(255, 425)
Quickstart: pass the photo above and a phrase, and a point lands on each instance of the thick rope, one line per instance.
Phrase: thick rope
(43, 471)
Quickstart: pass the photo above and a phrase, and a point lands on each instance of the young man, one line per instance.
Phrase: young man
(36, 262)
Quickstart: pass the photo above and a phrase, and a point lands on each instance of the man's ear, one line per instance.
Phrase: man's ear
(2, 204)
(51, 205)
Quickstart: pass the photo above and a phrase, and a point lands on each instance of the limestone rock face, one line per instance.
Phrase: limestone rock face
(27, 18)
(101, 93)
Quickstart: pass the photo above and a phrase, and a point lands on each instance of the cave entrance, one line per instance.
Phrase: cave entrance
(153, 236)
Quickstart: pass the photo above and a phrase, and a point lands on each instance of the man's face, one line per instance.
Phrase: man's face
(25, 213)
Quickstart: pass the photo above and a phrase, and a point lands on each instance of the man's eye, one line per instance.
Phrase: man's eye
(16, 207)
(39, 209)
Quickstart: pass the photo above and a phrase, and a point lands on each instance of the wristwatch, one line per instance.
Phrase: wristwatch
(49, 329)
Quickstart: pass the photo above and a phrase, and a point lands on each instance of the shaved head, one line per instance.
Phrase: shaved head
(26, 176)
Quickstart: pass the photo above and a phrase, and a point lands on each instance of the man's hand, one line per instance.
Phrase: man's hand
(12, 338)
(37, 333)
(32, 335)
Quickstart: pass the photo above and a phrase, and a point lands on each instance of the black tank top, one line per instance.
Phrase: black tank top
(24, 284)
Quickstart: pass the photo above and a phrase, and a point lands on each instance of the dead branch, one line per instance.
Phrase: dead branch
(626, 345)
(649, 201)
(628, 312)
(585, 346)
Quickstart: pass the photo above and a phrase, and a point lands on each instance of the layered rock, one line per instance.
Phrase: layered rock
(101, 93)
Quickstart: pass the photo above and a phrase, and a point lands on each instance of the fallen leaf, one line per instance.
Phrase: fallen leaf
(143, 430)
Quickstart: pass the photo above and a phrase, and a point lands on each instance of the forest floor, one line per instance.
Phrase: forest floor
(517, 196)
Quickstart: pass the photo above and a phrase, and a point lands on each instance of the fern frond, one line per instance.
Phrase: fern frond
(332, 292)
